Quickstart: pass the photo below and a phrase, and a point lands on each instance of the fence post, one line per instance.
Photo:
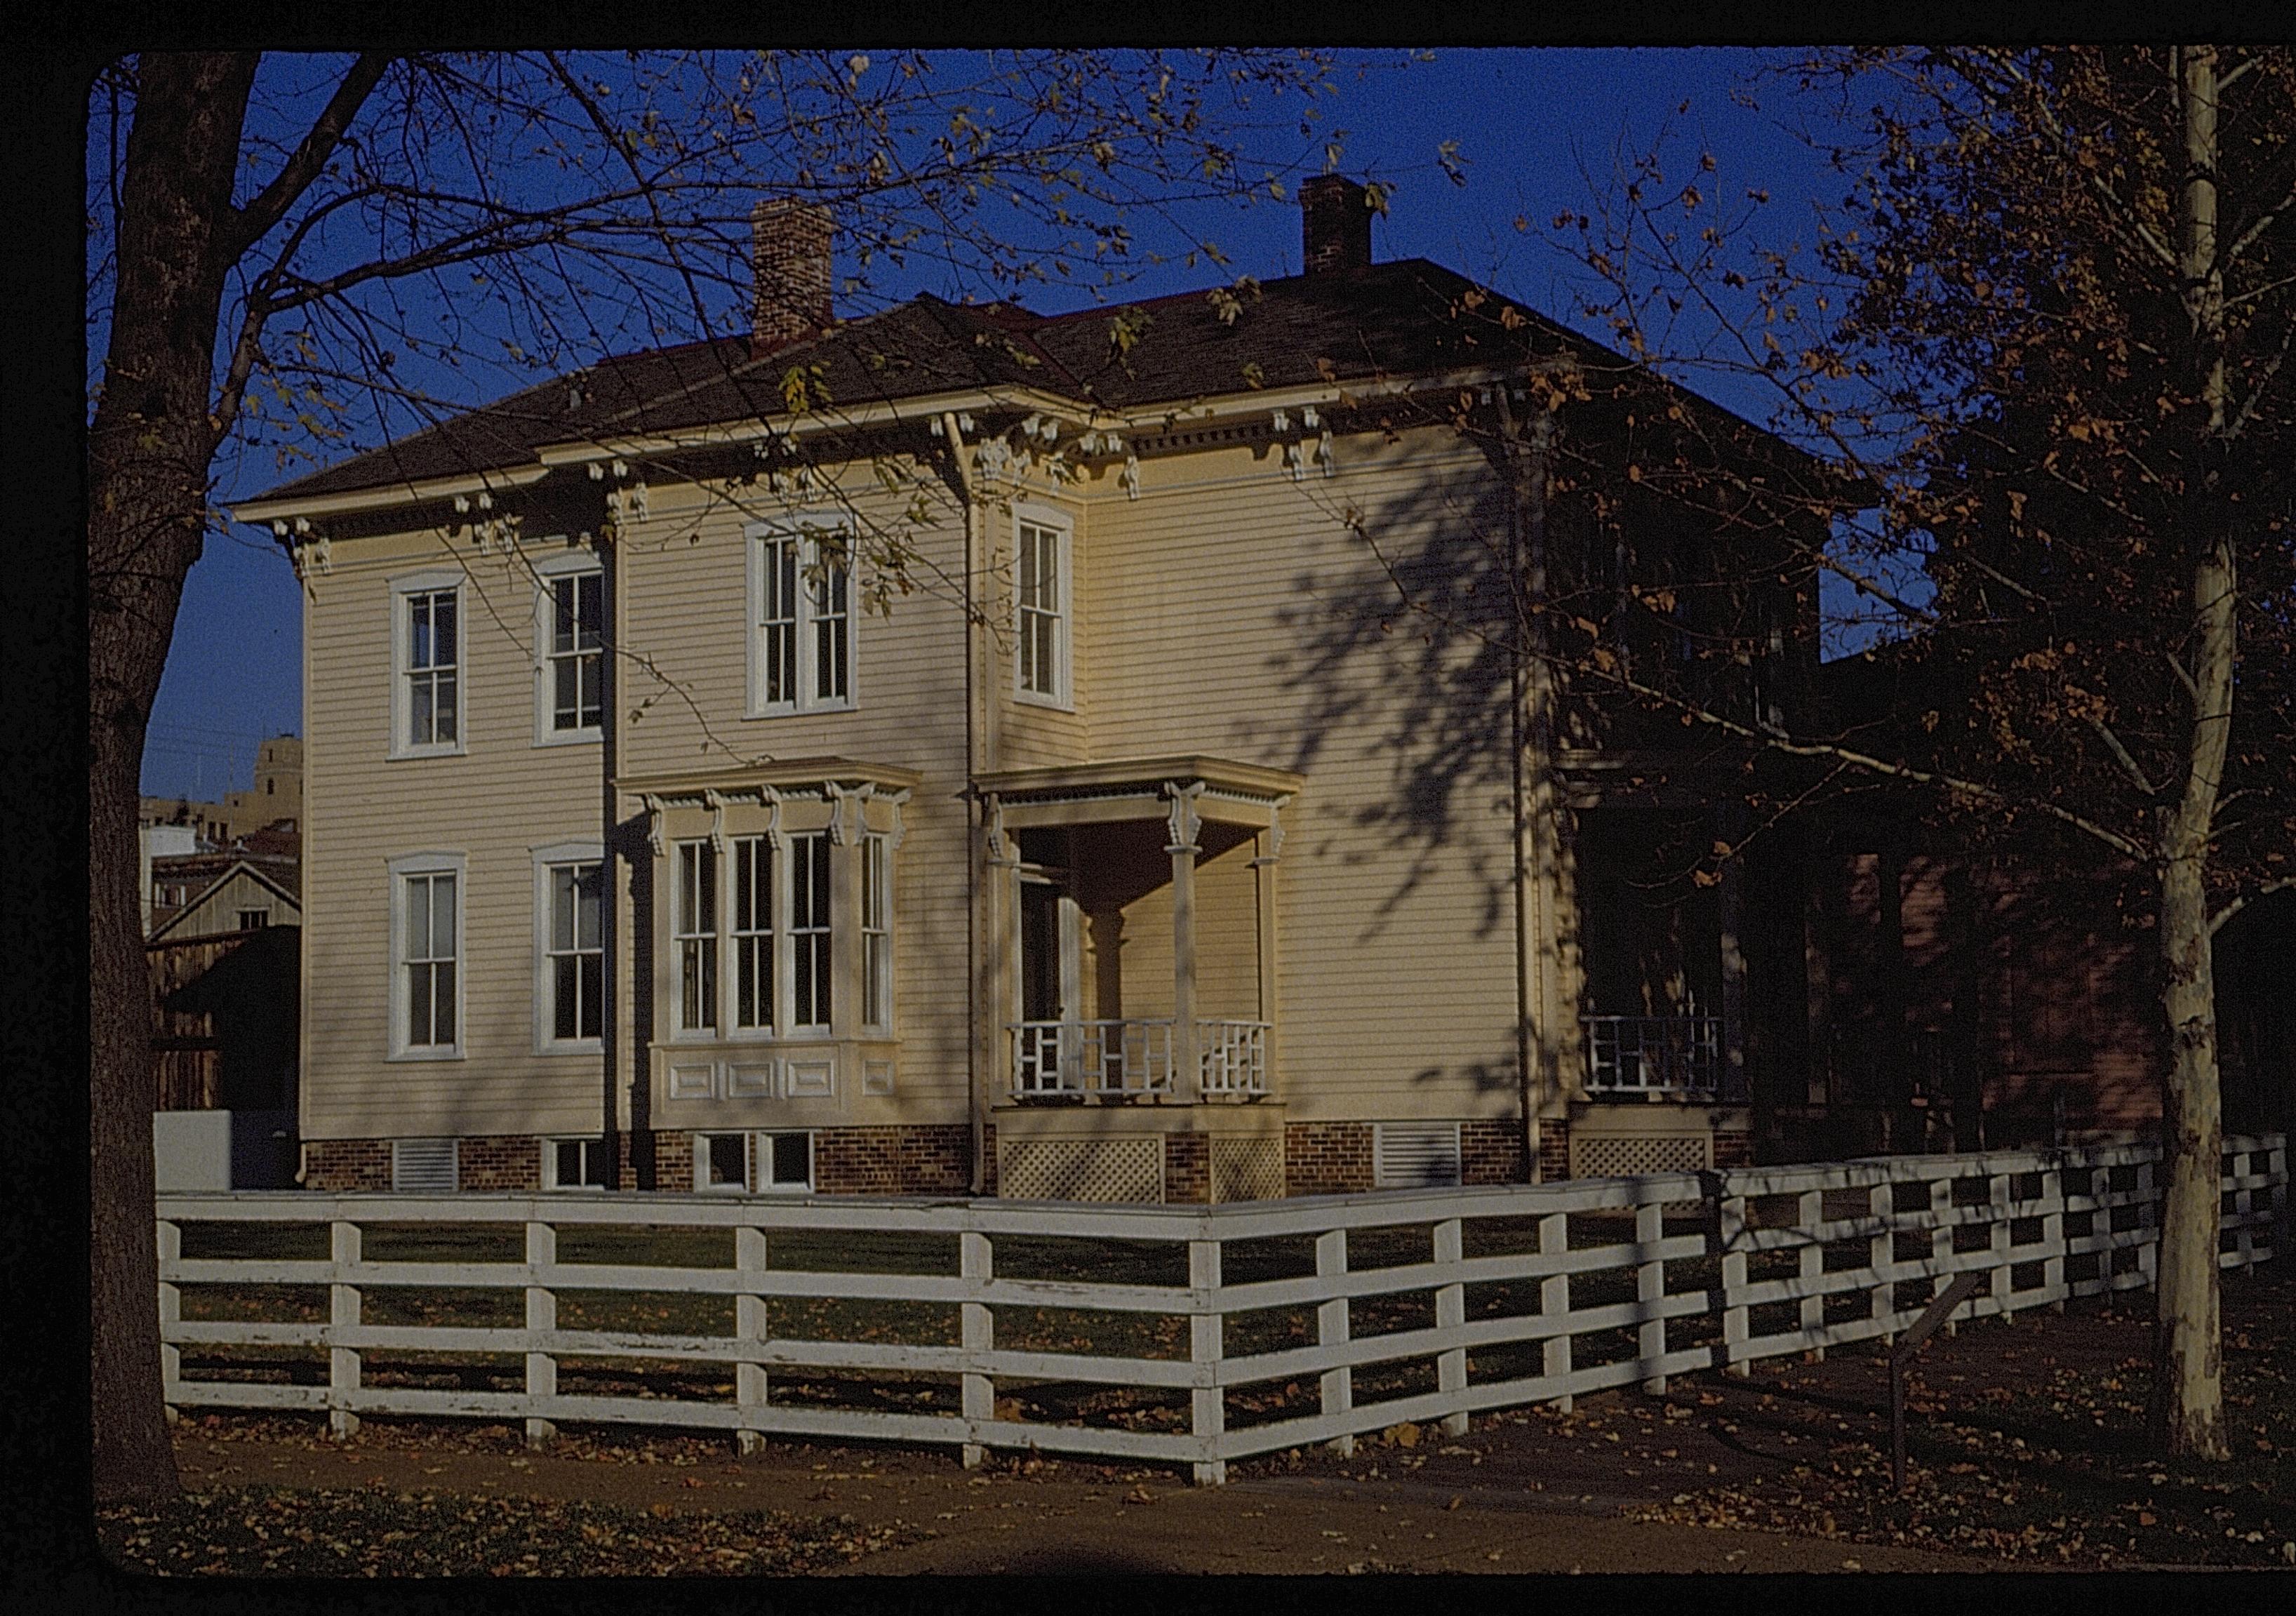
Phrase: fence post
(1451, 1315)
(749, 1328)
(1941, 1243)
(2277, 1164)
(1207, 1403)
(2244, 1207)
(1730, 1232)
(541, 1316)
(1332, 1331)
(1810, 1212)
(342, 1316)
(976, 1262)
(1996, 1200)
(2148, 1219)
(171, 1313)
(1554, 1304)
(2053, 1237)
(1650, 1286)
(1882, 1256)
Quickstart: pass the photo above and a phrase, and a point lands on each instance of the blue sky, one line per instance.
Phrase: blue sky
(1531, 125)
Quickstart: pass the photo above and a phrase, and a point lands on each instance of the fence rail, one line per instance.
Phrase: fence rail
(1414, 1306)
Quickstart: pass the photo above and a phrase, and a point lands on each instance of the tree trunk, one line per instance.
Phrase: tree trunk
(149, 449)
(2188, 1368)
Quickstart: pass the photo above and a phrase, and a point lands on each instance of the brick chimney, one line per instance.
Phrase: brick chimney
(789, 259)
(1334, 225)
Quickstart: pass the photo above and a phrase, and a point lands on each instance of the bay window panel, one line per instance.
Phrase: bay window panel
(754, 932)
(696, 933)
(809, 930)
(876, 935)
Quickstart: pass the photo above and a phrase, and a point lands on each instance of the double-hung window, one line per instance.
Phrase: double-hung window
(1041, 603)
(810, 933)
(428, 684)
(753, 934)
(876, 934)
(426, 946)
(801, 631)
(695, 927)
(572, 991)
(569, 630)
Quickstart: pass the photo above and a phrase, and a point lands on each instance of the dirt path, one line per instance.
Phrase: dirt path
(1074, 1519)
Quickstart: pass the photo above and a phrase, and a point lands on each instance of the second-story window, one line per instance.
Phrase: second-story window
(1041, 626)
(432, 666)
(695, 924)
(576, 670)
(801, 638)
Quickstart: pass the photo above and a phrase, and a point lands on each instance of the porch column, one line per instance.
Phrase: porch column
(1263, 869)
(1732, 1085)
(1185, 825)
(1000, 899)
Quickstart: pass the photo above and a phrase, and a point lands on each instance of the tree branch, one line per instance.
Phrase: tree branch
(248, 224)
(2120, 755)
(2217, 921)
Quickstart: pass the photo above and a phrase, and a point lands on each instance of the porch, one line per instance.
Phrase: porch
(1135, 953)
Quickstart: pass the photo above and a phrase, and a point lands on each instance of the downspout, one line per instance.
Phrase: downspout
(610, 884)
(977, 1112)
(1527, 559)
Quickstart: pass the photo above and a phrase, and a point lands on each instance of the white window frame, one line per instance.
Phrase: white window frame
(548, 573)
(873, 924)
(399, 870)
(1060, 611)
(547, 862)
(807, 530)
(703, 1185)
(773, 930)
(588, 1144)
(681, 934)
(795, 936)
(404, 589)
(761, 1162)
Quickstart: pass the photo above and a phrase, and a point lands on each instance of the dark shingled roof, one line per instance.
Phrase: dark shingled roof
(1389, 319)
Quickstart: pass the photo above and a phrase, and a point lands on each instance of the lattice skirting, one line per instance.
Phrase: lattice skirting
(1248, 1169)
(1126, 1167)
(1626, 1155)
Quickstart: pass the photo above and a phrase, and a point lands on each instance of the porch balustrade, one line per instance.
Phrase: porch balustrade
(1660, 1055)
(1117, 1060)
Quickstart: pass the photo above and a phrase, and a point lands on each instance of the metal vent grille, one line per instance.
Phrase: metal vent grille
(1411, 1155)
(424, 1165)
(1629, 1155)
(1124, 1169)
(1248, 1169)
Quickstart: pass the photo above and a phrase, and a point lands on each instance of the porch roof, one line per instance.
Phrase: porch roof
(1224, 790)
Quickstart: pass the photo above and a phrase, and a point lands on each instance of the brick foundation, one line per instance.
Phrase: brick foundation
(1326, 1158)
(498, 1161)
(673, 1162)
(1187, 1169)
(1734, 1150)
(1490, 1153)
(338, 1165)
(901, 1161)
(1554, 1149)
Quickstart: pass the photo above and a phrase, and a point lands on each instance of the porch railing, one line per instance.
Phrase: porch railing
(1234, 1058)
(1109, 1059)
(1656, 1056)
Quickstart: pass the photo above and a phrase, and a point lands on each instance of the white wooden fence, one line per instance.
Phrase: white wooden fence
(1470, 1305)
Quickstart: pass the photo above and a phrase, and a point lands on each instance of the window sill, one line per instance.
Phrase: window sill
(407, 754)
(592, 736)
(1026, 698)
(425, 1055)
(816, 709)
(552, 1046)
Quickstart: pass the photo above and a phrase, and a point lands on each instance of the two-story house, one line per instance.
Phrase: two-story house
(1105, 755)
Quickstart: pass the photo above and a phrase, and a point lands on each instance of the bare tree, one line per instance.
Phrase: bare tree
(2045, 333)
(298, 251)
